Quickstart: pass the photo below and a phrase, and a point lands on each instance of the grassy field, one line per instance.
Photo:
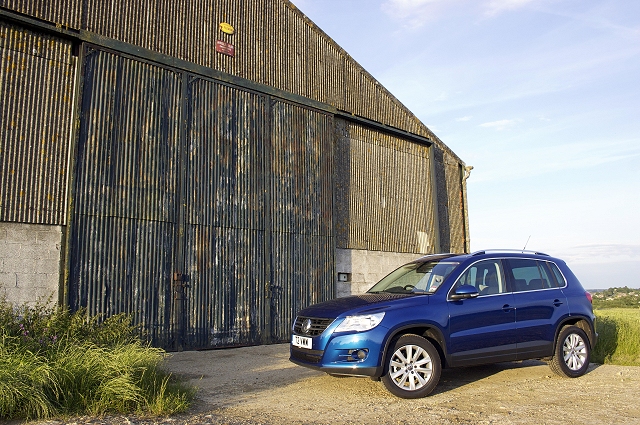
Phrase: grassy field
(619, 337)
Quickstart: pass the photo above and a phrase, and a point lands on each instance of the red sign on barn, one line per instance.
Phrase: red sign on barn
(225, 48)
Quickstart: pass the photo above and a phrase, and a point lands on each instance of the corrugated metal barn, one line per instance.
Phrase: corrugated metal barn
(208, 166)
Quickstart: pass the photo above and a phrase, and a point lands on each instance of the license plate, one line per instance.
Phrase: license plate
(301, 341)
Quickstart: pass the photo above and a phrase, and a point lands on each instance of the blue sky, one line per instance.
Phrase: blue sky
(541, 97)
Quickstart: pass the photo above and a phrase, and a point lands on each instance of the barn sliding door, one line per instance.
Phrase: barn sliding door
(202, 209)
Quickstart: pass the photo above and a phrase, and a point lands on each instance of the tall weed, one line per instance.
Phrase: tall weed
(54, 362)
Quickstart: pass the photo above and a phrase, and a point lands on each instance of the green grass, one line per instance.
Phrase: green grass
(618, 337)
(54, 363)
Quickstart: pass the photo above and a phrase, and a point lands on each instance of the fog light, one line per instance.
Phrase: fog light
(359, 354)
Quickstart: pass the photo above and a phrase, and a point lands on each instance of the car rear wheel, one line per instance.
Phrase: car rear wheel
(573, 352)
(413, 367)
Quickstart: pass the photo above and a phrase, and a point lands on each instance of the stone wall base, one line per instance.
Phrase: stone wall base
(30, 256)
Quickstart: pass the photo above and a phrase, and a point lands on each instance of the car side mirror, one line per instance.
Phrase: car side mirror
(464, 292)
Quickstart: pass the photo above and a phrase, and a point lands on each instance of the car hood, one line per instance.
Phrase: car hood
(350, 305)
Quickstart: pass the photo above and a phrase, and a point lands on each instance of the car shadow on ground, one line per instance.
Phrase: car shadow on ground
(454, 378)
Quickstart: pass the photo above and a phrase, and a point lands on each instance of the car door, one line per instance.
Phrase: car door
(482, 329)
(540, 306)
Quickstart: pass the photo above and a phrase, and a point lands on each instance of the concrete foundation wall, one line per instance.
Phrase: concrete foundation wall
(364, 268)
(30, 256)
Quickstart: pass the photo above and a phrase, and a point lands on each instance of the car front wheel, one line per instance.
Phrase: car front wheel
(413, 367)
(572, 354)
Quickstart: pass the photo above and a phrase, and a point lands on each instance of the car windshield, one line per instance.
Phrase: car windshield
(415, 278)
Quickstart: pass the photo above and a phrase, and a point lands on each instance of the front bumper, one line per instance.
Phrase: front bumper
(300, 357)
(336, 354)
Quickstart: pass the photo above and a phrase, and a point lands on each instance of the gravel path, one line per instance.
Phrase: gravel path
(258, 385)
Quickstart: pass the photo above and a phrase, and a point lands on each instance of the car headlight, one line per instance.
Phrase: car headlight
(360, 323)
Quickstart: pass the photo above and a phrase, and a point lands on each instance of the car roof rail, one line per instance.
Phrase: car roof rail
(507, 251)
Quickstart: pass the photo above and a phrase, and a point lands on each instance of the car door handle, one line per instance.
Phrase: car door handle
(507, 308)
(557, 303)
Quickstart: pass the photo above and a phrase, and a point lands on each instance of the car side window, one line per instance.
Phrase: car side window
(558, 274)
(530, 275)
(486, 276)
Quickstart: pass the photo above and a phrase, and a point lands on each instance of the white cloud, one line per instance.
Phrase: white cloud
(416, 13)
(464, 119)
(602, 253)
(530, 160)
(499, 125)
(413, 14)
(495, 7)
(406, 8)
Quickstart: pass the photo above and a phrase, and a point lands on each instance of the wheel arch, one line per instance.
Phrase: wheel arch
(580, 322)
(428, 331)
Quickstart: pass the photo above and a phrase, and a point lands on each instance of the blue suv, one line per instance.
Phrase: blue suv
(450, 310)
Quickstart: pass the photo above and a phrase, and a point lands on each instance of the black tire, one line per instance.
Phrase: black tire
(572, 353)
(413, 367)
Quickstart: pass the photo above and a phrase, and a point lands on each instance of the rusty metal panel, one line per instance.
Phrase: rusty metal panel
(226, 300)
(449, 173)
(258, 236)
(131, 119)
(67, 13)
(122, 265)
(253, 54)
(225, 237)
(384, 200)
(334, 72)
(37, 77)
(353, 87)
(455, 197)
(301, 204)
(122, 239)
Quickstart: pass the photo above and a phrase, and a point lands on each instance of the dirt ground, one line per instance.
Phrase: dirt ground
(258, 385)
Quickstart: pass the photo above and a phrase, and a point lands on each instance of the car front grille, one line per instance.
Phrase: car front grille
(318, 325)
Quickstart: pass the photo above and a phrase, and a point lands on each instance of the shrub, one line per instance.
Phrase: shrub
(54, 362)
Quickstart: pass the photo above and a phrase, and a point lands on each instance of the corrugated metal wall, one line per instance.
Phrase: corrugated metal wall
(254, 215)
(176, 174)
(37, 76)
(274, 42)
(455, 198)
(302, 242)
(225, 234)
(66, 13)
(384, 196)
(124, 223)
(451, 203)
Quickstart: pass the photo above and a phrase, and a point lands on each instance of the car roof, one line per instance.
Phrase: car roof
(516, 253)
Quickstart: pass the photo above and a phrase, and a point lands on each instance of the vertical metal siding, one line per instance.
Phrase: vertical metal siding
(275, 45)
(124, 223)
(37, 76)
(455, 198)
(301, 204)
(384, 200)
(67, 13)
(254, 227)
(225, 214)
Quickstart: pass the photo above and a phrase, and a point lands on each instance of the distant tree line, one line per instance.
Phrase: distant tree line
(617, 298)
